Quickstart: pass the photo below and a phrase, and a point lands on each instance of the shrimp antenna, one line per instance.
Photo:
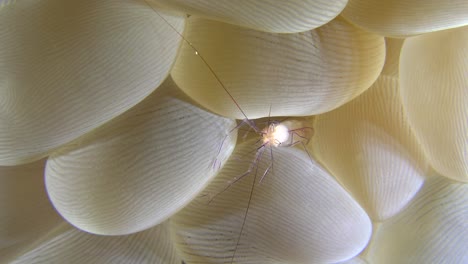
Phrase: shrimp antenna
(201, 57)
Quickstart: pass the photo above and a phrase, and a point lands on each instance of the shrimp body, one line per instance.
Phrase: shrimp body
(275, 134)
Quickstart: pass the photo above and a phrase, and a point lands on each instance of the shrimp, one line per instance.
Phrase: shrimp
(286, 132)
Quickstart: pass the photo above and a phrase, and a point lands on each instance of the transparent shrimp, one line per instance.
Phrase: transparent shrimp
(287, 132)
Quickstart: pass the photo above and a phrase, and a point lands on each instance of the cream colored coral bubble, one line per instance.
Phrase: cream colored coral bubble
(432, 229)
(434, 90)
(293, 74)
(368, 146)
(406, 18)
(66, 244)
(142, 167)
(297, 214)
(67, 67)
(265, 15)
